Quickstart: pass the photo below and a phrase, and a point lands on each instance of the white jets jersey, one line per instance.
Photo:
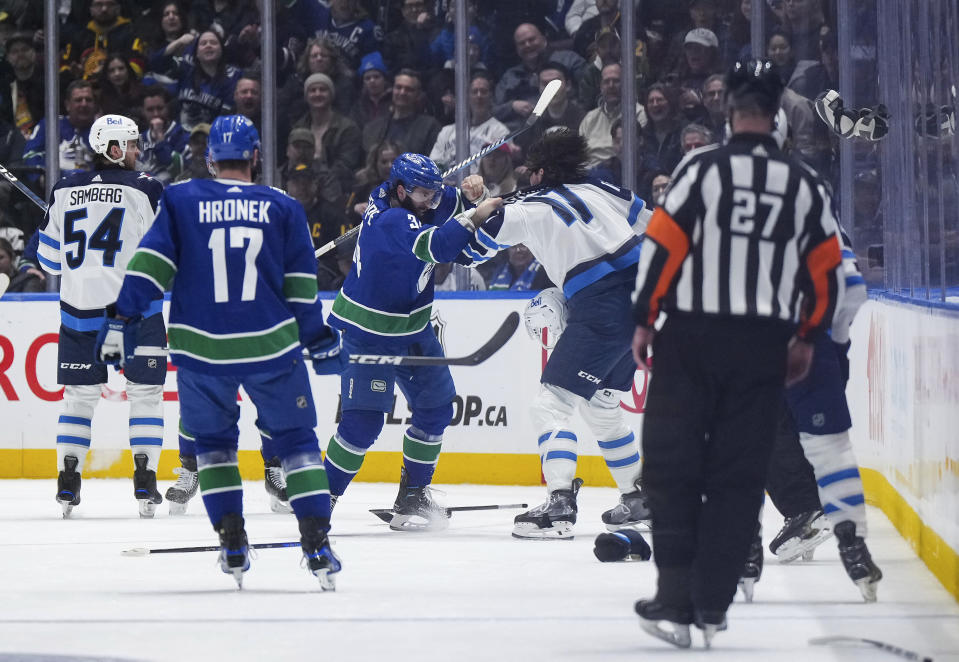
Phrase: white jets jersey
(90, 232)
(580, 232)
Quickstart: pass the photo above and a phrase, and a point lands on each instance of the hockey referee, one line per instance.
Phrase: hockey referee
(743, 259)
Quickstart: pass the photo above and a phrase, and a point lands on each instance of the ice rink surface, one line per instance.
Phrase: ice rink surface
(469, 593)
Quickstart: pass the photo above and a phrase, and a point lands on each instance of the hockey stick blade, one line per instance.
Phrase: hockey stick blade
(4, 283)
(544, 100)
(386, 514)
(889, 648)
(146, 551)
(503, 334)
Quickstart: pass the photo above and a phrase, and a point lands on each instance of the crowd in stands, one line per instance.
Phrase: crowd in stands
(361, 81)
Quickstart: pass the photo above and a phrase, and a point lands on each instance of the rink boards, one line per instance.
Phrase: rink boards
(903, 393)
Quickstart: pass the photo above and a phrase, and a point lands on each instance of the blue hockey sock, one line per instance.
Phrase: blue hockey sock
(306, 485)
(220, 484)
(343, 460)
(421, 452)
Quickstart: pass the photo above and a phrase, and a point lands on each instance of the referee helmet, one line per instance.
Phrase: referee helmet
(754, 85)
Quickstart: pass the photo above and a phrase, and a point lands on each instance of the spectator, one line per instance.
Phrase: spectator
(11, 155)
(518, 89)
(571, 14)
(611, 170)
(352, 30)
(691, 106)
(562, 110)
(119, 87)
(713, 90)
(300, 150)
(164, 141)
(172, 42)
(607, 16)
(246, 99)
(451, 277)
(497, 171)
(597, 124)
(694, 136)
(484, 128)
(379, 160)
(230, 18)
(700, 58)
(107, 32)
(521, 272)
(331, 281)
(376, 94)
(443, 47)
(74, 130)
(195, 156)
(812, 79)
(408, 45)
(322, 56)
(205, 82)
(661, 134)
(779, 51)
(326, 221)
(738, 43)
(700, 14)
(336, 137)
(658, 183)
(21, 102)
(802, 22)
(407, 125)
(23, 281)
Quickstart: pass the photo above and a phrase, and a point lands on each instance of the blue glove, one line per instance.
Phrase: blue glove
(326, 355)
(116, 342)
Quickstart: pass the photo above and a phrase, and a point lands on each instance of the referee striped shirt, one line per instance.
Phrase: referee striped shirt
(744, 231)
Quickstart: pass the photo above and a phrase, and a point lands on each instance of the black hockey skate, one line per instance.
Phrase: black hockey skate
(234, 548)
(632, 510)
(857, 560)
(800, 536)
(317, 551)
(753, 569)
(68, 485)
(551, 520)
(711, 622)
(415, 508)
(653, 615)
(185, 487)
(145, 486)
(275, 484)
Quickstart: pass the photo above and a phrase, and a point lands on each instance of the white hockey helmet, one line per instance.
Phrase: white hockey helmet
(547, 310)
(111, 128)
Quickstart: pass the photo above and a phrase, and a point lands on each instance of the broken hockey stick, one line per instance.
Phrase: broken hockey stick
(503, 333)
(145, 551)
(889, 648)
(544, 100)
(386, 514)
(34, 198)
(4, 283)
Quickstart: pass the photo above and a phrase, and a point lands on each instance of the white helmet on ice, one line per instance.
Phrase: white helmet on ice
(547, 310)
(109, 128)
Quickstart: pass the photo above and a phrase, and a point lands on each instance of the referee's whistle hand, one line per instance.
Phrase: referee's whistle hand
(798, 360)
(642, 339)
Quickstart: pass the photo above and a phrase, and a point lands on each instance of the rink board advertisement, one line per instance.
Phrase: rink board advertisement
(490, 440)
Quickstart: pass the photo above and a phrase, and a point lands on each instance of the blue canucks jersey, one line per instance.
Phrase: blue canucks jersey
(241, 263)
(388, 294)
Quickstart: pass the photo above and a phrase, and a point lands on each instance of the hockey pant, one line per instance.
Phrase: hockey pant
(551, 413)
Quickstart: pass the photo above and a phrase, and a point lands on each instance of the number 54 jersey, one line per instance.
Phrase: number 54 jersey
(90, 232)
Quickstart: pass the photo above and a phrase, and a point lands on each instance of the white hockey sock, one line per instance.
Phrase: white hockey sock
(622, 459)
(146, 421)
(837, 474)
(557, 451)
(74, 426)
(616, 441)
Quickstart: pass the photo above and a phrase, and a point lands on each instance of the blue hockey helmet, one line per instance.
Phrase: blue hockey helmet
(233, 137)
(415, 170)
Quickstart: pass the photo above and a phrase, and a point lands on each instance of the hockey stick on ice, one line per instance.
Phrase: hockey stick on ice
(145, 551)
(889, 648)
(10, 177)
(544, 100)
(386, 514)
(503, 333)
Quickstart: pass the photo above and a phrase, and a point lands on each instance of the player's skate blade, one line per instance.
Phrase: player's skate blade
(279, 506)
(318, 554)
(800, 536)
(748, 586)
(857, 560)
(185, 488)
(234, 556)
(145, 487)
(710, 623)
(631, 511)
(68, 486)
(559, 530)
(417, 522)
(670, 625)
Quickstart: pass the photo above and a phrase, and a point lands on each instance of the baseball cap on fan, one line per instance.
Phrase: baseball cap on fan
(703, 37)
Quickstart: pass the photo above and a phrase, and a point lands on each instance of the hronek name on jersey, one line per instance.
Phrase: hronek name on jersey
(224, 211)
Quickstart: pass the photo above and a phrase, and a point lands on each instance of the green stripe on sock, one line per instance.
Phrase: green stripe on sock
(421, 452)
(299, 483)
(214, 478)
(346, 460)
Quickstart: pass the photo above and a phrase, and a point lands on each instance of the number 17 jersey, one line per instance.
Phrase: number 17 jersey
(90, 232)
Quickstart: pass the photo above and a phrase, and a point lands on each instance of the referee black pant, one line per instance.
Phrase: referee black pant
(791, 483)
(711, 416)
